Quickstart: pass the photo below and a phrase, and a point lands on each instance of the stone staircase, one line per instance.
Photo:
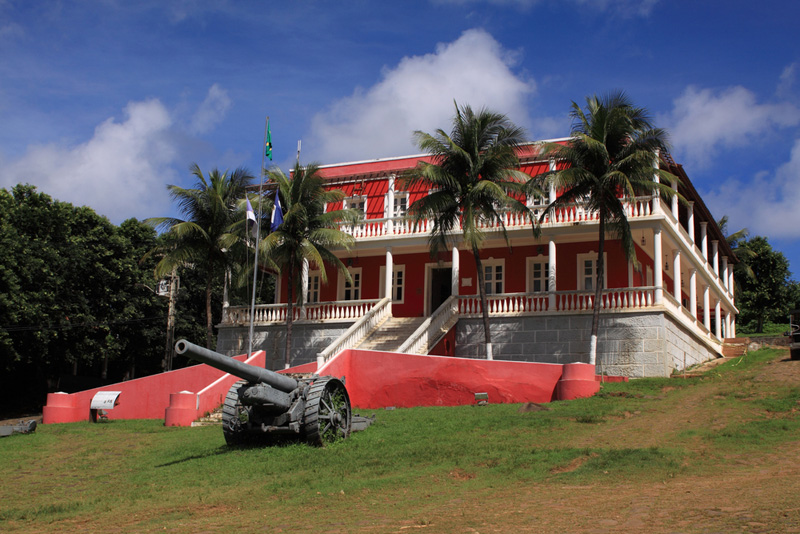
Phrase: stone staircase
(733, 347)
(389, 335)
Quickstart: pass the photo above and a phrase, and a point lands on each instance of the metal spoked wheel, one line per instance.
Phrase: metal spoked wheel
(235, 417)
(327, 415)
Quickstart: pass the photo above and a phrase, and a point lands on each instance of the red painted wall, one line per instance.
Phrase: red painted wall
(380, 379)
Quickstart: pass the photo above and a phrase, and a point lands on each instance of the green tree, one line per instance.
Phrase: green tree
(611, 158)
(72, 296)
(738, 243)
(768, 295)
(208, 233)
(308, 233)
(472, 175)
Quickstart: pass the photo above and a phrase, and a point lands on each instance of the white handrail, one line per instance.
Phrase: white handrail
(432, 329)
(357, 330)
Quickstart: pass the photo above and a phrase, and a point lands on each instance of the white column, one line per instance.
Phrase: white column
(690, 222)
(707, 307)
(630, 274)
(674, 186)
(456, 276)
(704, 239)
(727, 323)
(724, 273)
(390, 207)
(304, 290)
(676, 277)
(731, 282)
(732, 331)
(656, 194)
(387, 280)
(552, 193)
(658, 273)
(718, 320)
(715, 256)
(551, 276)
(693, 293)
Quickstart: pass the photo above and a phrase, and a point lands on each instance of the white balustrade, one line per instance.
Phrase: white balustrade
(359, 330)
(432, 329)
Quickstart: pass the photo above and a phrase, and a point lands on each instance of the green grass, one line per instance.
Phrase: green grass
(142, 476)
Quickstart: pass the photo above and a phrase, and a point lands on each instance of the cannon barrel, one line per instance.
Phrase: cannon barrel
(247, 372)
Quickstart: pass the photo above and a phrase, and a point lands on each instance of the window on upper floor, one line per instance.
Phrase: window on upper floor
(493, 278)
(313, 287)
(587, 271)
(351, 290)
(538, 275)
(358, 203)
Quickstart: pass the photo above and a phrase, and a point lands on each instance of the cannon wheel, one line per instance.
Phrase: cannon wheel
(235, 417)
(327, 417)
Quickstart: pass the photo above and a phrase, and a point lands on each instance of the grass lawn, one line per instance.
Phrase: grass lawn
(713, 453)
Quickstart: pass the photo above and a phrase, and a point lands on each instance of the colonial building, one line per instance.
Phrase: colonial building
(667, 311)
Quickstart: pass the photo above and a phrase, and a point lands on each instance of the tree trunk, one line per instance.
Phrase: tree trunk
(482, 291)
(209, 327)
(598, 293)
(289, 315)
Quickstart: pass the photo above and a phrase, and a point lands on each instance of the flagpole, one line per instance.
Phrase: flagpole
(258, 235)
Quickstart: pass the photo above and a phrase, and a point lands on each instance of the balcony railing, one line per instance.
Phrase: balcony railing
(341, 311)
(575, 213)
(632, 298)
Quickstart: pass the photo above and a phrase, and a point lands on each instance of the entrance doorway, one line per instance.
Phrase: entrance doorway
(441, 287)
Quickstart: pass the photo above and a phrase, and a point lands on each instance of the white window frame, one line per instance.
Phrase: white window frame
(492, 264)
(399, 196)
(312, 293)
(395, 286)
(592, 255)
(356, 275)
(356, 199)
(544, 261)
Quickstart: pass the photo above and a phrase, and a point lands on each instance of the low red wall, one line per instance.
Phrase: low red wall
(380, 379)
(149, 397)
(374, 379)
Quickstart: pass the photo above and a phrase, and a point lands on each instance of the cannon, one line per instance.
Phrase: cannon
(268, 405)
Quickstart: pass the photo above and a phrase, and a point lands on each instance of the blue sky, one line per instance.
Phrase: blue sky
(104, 103)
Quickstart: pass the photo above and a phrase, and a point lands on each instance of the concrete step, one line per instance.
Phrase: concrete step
(391, 334)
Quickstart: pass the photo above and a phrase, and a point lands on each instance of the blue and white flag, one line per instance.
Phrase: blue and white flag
(252, 225)
(277, 214)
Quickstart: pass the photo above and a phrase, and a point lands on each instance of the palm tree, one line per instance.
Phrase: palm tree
(472, 172)
(307, 233)
(613, 157)
(207, 232)
(739, 244)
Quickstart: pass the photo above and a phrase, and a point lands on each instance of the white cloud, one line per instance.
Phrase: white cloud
(120, 172)
(211, 111)
(704, 121)
(767, 205)
(418, 94)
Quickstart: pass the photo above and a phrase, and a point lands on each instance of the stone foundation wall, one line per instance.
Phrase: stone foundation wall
(633, 345)
(307, 341)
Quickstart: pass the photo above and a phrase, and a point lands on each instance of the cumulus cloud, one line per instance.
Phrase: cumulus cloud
(418, 94)
(703, 121)
(120, 172)
(211, 111)
(123, 169)
(768, 204)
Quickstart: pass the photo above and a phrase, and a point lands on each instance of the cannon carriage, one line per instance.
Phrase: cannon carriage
(265, 405)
